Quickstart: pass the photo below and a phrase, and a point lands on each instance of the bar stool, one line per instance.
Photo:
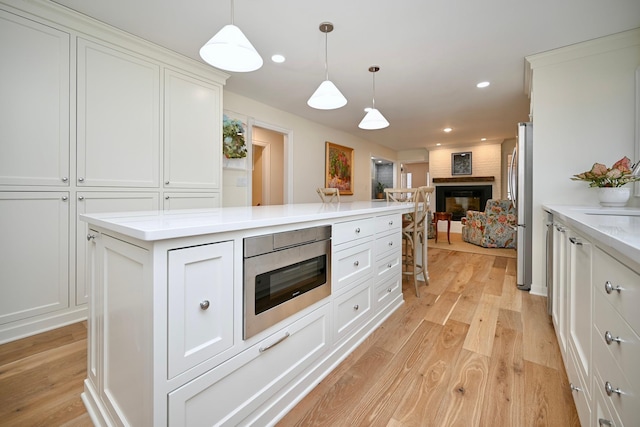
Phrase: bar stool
(328, 195)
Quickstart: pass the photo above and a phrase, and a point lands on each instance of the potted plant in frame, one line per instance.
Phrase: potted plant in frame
(610, 182)
(380, 190)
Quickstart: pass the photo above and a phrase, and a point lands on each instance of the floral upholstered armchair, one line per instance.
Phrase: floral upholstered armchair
(493, 228)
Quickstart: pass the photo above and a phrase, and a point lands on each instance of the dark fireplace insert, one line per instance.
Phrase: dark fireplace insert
(458, 199)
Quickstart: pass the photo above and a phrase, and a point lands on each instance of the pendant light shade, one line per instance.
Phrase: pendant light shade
(373, 119)
(327, 96)
(230, 50)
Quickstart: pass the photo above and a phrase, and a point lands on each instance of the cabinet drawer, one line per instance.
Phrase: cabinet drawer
(229, 393)
(352, 308)
(200, 311)
(626, 353)
(603, 413)
(388, 266)
(351, 265)
(580, 396)
(627, 300)
(388, 223)
(387, 243)
(387, 291)
(351, 230)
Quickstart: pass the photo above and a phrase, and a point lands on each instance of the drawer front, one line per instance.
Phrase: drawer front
(352, 308)
(626, 352)
(579, 388)
(352, 230)
(388, 223)
(389, 266)
(387, 291)
(627, 402)
(229, 393)
(351, 265)
(604, 414)
(387, 243)
(627, 300)
(200, 309)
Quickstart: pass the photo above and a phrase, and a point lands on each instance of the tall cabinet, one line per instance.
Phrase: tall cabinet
(92, 120)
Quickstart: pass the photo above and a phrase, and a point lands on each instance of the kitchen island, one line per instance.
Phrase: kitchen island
(166, 343)
(595, 294)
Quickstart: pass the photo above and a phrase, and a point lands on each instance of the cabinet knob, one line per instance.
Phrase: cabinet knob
(166, 197)
(608, 388)
(166, 183)
(389, 290)
(574, 388)
(65, 198)
(80, 179)
(602, 422)
(389, 265)
(90, 237)
(204, 304)
(356, 307)
(65, 179)
(391, 222)
(81, 198)
(358, 230)
(610, 338)
(608, 287)
(390, 243)
(356, 263)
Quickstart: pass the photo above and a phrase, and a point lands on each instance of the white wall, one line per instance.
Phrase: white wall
(583, 103)
(308, 144)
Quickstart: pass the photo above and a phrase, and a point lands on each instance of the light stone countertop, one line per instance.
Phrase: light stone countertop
(160, 225)
(611, 228)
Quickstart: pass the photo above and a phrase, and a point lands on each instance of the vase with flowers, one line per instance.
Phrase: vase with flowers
(610, 182)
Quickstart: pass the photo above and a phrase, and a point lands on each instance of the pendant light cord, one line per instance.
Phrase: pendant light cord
(232, 12)
(374, 90)
(326, 60)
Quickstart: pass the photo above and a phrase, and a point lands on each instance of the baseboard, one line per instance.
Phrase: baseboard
(35, 325)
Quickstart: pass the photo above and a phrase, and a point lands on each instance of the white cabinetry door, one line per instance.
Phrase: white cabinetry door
(34, 254)
(34, 105)
(118, 117)
(192, 132)
(200, 304)
(94, 202)
(173, 201)
(559, 308)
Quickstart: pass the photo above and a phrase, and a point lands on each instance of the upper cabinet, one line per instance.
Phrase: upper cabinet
(34, 105)
(192, 132)
(118, 117)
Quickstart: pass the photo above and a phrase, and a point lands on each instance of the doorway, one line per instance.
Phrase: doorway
(382, 173)
(269, 166)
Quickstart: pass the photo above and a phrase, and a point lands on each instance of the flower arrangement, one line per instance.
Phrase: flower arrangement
(233, 144)
(600, 176)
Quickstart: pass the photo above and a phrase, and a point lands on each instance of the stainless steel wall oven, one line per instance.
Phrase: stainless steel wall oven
(284, 273)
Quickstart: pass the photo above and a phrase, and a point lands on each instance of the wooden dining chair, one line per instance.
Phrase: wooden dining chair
(328, 195)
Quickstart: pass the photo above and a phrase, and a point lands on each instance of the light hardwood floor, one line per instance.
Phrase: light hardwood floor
(473, 351)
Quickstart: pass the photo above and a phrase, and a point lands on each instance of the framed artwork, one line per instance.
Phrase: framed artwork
(339, 168)
(461, 163)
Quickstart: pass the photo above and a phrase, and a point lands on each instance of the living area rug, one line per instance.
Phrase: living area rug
(457, 244)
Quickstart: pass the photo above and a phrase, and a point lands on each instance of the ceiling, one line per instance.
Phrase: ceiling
(431, 54)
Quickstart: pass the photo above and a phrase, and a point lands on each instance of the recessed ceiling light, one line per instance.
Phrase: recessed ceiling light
(483, 139)
(483, 84)
(438, 144)
(447, 130)
(277, 58)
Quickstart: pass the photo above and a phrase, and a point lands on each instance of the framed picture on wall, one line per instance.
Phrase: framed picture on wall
(339, 168)
(461, 163)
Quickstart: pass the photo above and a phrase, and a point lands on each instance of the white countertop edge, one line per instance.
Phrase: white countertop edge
(612, 228)
(160, 225)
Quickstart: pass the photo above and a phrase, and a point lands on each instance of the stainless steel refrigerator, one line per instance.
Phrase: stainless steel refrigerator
(520, 192)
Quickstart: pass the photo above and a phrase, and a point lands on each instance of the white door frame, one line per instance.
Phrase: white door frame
(287, 135)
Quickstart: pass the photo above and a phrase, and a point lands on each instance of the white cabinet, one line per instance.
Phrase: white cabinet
(118, 126)
(192, 129)
(34, 255)
(200, 312)
(388, 260)
(94, 202)
(560, 288)
(34, 106)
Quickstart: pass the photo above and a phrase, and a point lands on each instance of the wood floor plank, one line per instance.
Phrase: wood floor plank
(441, 308)
(482, 328)
(541, 345)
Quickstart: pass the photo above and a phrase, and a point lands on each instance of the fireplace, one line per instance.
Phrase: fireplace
(458, 199)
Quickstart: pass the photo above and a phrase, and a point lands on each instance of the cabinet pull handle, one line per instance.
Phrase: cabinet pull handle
(574, 388)
(356, 307)
(610, 338)
(608, 287)
(263, 349)
(356, 263)
(204, 304)
(575, 241)
(608, 388)
(602, 422)
(358, 230)
(90, 237)
(81, 179)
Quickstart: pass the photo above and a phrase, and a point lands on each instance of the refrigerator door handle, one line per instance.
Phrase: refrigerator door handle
(512, 185)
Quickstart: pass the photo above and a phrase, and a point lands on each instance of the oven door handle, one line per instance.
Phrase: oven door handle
(263, 349)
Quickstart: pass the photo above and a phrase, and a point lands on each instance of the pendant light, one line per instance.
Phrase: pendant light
(373, 119)
(327, 96)
(230, 50)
